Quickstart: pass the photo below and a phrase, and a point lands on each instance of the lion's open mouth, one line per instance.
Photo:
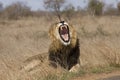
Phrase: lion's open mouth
(64, 33)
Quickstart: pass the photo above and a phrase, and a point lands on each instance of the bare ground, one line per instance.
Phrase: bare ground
(101, 76)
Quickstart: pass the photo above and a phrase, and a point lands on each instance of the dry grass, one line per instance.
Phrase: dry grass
(22, 39)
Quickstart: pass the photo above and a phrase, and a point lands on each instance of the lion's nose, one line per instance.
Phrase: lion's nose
(64, 30)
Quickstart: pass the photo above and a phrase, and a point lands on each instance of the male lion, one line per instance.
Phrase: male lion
(64, 49)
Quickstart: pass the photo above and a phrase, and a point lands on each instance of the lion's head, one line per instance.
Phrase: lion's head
(63, 33)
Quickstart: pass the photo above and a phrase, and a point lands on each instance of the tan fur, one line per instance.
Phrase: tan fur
(65, 55)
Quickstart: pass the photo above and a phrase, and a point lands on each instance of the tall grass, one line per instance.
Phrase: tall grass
(22, 39)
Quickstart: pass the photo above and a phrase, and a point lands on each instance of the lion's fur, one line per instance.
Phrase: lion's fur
(61, 52)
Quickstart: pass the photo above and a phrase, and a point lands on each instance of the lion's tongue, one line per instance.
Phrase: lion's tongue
(65, 37)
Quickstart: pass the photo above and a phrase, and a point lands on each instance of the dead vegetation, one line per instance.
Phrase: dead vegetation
(23, 44)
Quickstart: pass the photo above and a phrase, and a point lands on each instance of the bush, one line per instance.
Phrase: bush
(16, 11)
(95, 7)
(69, 11)
(110, 10)
(118, 6)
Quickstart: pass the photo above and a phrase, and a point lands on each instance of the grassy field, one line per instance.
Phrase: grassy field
(24, 44)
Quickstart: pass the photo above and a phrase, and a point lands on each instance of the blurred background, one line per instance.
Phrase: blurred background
(37, 8)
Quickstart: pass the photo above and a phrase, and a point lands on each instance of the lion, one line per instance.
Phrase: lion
(64, 49)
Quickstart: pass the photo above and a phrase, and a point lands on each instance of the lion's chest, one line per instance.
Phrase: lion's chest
(64, 51)
(63, 54)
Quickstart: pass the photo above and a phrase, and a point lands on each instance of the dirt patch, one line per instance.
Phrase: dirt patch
(115, 75)
(112, 78)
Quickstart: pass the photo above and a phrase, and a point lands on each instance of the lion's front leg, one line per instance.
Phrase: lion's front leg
(73, 58)
(75, 68)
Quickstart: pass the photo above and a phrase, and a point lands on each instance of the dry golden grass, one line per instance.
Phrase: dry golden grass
(21, 40)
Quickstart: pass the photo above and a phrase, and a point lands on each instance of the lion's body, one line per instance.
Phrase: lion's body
(63, 54)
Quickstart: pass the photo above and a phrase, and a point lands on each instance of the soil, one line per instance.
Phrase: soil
(115, 75)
